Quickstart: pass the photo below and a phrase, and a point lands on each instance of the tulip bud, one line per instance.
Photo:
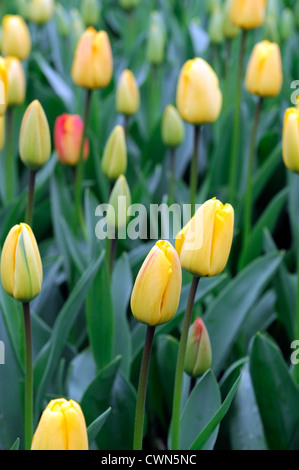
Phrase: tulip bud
(62, 426)
(23, 9)
(16, 39)
(173, 130)
(128, 4)
(198, 357)
(16, 82)
(230, 30)
(41, 11)
(264, 71)
(3, 86)
(2, 132)
(156, 292)
(204, 244)
(68, 133)
(119, 201)
(114, 161)
(248, 14)
(199, 99)
(287, 24)
(35, 138)
(21, 266)
(127, 94)
(290, 139)
(215, 28)
(93, 62)
(62, 20)
(156, 40)
(90, 10)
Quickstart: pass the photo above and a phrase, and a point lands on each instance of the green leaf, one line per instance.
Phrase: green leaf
(276, 394)
(166, 357)
(95, 427)
(16, 444)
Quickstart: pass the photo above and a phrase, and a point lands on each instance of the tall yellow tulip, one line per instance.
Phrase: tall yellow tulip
(16, 39)
(248, 14)
(16, 82)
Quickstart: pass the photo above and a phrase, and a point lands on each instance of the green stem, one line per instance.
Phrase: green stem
(142, 388)
(193, 169)
(296, 365)
(80, 166)
(248, 194)
(30, 198)
(28, 378)
(179, 375)
(172, 177)
(10, 174)
(237, 118)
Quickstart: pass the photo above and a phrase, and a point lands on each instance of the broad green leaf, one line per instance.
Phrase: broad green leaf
(95, 427)
(166, 356)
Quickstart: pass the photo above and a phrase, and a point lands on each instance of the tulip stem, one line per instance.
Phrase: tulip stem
(28, 378)
(172, 177)
(193, 169)
(30, 198)
(236, 128)
(248, 195)
(80, 166)
(179, 375)
(142, 388)
(10, 175)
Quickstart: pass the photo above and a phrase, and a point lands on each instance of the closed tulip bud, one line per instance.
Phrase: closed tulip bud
(93, 62)
(248, 14)
(62, 20)
(119, 201)
(62, 426)
(127, 94)
(264, 75)
(16, 39)
(287, 24)
(199, 99)
(230, 31)
(68, 133)
(21, 266)
(3, 86)
(2, 132)
(90, 11)
(204, 244)
(173, 131)
(35, 138)
(198, 357)
(114, 161)
(16, 82)
(290, 139)
(215, 29)
(156, 41)
(41, 11)
(156, 292)
(128, 4)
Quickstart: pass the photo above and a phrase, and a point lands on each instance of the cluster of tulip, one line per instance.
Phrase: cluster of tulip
(202, 247)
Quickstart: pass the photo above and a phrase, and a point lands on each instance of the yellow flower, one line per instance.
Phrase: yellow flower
(264, 75)
(35, 137)
(41, 11)
(173, 130)
(61, 427)
(16, 39)
(3, 86)
(127, 94)
(199, 99)
(290, 139)
(248, 14)
(204, 244)
(114, 161)
(93, 62)
(16, 82)
(156, 293)
(21, 266)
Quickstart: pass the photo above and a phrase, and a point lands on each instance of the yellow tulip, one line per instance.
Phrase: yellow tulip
(2, 132)
(290, 139)
(173, 130)
(93, 62)
(198, 357)
(248, 14)
(61, 427)
(114, 161)
(127, 94)
(41, 11)
(21, 266)
(199, 99)
(3, 86)
(35, 137)
(204, 244)
(264, 75)
(156, 292)
(16, 82)
(16, 39)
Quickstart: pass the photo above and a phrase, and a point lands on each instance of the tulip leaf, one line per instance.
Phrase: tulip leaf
(95, 427)
(276, 394)
(16, 444)
(227, 312)
(166, 357)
